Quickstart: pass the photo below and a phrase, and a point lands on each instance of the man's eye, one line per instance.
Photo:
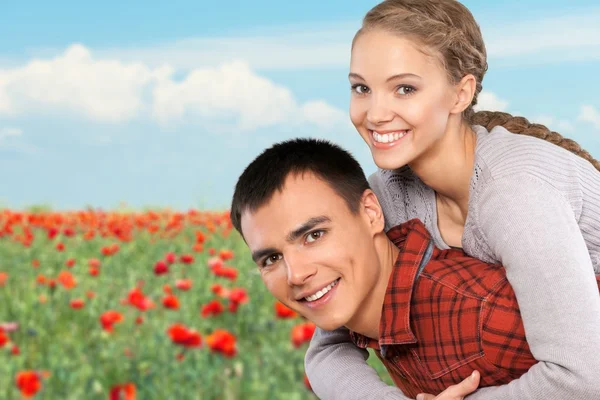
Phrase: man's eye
(272, 259)
(314, 236)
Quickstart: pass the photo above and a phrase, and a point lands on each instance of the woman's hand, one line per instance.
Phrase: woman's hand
(455, 392)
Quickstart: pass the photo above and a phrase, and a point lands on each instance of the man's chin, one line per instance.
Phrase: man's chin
(328, 325)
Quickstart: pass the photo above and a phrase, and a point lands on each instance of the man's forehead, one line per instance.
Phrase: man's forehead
(302, 197)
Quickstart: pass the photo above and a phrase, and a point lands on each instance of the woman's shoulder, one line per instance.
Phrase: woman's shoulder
(503, 154)
(403, 196)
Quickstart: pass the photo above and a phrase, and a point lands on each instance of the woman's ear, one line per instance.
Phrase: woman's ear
(465, 91)
(373, 212)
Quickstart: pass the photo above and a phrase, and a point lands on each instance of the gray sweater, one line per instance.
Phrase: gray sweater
(535, 208)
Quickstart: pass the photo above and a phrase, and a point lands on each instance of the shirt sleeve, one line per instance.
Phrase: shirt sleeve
(337, 369)
(532, 230)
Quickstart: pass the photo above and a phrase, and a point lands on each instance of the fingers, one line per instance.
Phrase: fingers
(467, 386)
(456, 392)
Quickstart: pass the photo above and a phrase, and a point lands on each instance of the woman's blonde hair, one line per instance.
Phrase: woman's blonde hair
(447, 29)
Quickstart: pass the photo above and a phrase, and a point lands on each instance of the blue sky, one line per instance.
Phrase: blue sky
(164, 104)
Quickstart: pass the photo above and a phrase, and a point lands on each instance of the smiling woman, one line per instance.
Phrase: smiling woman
(416, 72)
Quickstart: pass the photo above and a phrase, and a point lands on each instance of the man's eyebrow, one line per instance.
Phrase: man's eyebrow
(391, 78)
(292, 236)
(258, 254)
(305, 227)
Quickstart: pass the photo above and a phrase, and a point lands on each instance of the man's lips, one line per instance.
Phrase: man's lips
(311, 292)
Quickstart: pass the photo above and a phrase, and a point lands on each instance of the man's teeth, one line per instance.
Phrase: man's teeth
(389, 137)
(322, 292)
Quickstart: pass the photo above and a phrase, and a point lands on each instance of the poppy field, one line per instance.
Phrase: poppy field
(141, 305)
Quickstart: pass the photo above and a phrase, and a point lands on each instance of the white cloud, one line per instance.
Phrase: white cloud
(590, 114)
(559, 125)
(488, 101)
(323, 115)
(573, 36)
(231, 90)
(578, 34)
(281, 48)
(102, 90)
(115, 91)
(9, 131)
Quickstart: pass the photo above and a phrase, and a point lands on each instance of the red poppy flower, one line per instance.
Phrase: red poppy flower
(226, 255)
(110, 250)
(216, 289)
(161, 268)
(198, 248)
(52, 232)
(41, 279)
(109, 318)
(200, 237)
(302, 333)
(187, 258)
(67, 279)
(182, 335)
(223, 342)
(3, 338)
(70, 263)
(307, 383)
(60, 246)
(283, 312)
(215, 263)
(171, 301)
(3, 278)
(214, 307)
(77, 304)
(28, 382)
(238, 295)
(94, 263)
(170, 258)
(124, 391)
(183, 284)
(138, 299)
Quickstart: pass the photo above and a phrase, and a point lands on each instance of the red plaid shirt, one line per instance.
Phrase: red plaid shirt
(444, 315)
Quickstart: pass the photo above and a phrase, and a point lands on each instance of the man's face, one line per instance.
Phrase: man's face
(314, 255)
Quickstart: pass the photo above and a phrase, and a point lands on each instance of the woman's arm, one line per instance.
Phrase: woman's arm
(533, 231)
(337, 369)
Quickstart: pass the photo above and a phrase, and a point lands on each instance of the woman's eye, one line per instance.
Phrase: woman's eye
(404, 90)
(360, 89)
(272, 259)
(313, 236)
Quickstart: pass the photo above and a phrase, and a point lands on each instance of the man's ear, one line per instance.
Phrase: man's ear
(373, 212)
(465, 91)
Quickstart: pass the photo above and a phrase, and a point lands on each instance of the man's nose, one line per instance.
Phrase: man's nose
(299, 270)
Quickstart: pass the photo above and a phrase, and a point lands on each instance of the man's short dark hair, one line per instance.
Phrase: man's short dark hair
(268, 172)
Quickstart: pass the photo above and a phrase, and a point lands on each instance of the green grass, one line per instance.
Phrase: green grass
(85, 361)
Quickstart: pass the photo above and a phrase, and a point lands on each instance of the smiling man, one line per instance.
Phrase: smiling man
(316, 233)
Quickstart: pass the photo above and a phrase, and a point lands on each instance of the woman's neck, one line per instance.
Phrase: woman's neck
(447, 169)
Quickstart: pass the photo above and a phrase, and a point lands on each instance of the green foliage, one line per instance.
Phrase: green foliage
(85, 361)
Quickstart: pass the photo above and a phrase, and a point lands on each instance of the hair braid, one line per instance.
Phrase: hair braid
(520, 125)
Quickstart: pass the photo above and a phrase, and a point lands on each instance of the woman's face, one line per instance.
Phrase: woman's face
(401, 98)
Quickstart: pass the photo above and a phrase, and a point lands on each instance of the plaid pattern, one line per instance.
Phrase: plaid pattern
(457, 315)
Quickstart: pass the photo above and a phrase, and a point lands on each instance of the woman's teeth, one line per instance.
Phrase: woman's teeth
(389, 137)
(322, 292)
